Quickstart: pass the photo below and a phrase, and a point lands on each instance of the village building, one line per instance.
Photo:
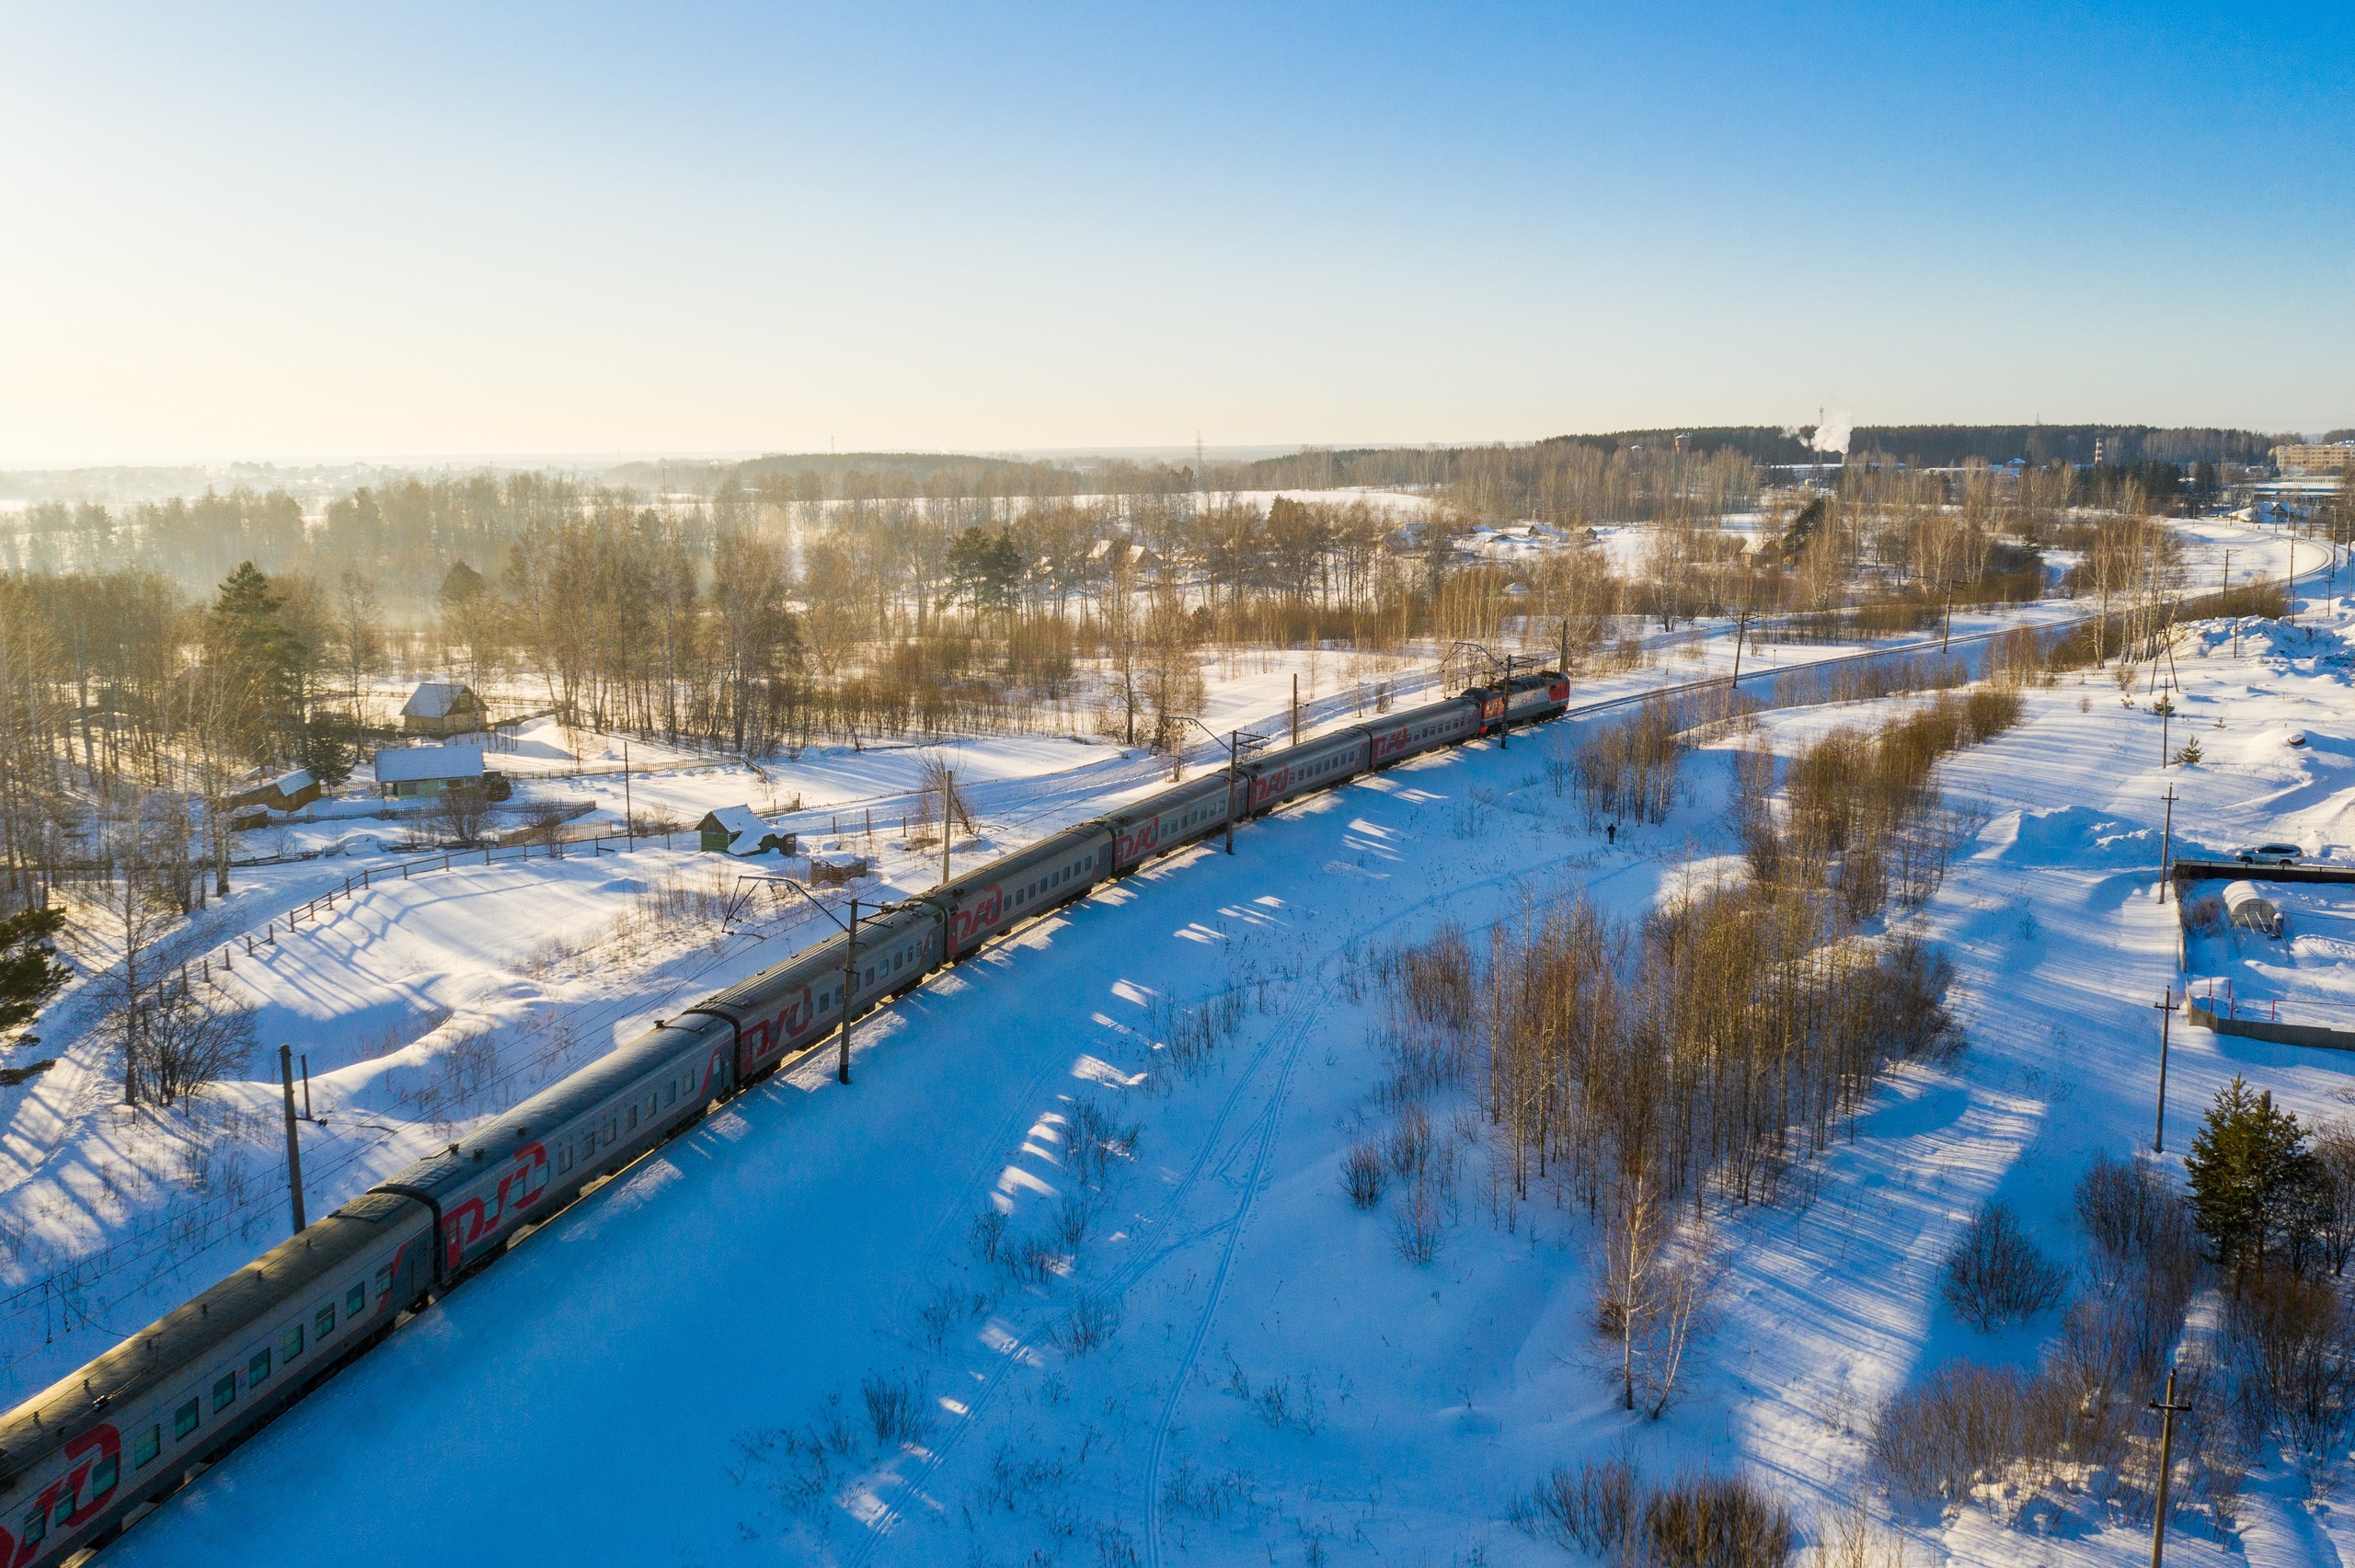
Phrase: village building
(445, 708)
(287, 792)
(424, 772)
(734, 829)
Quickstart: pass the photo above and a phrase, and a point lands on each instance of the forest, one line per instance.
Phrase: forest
(180, 645)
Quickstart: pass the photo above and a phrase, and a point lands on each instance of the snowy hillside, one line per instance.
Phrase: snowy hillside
(1069, 1273)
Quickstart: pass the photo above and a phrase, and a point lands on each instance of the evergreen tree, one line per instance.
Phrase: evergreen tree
(31, 971)
(259, 661)
(2254, 1182)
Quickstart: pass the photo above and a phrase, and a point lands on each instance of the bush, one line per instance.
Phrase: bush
(1715, 1521)
(2290, 1343)
(2134, 1218)
(1696, 1521)
(1965, 1421)
(898, 1409)
(1364, 1173)
(2204, 916)
(1995, 1275)
(1593, 1508)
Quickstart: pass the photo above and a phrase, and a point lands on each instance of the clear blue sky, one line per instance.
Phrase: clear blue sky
(267, 232)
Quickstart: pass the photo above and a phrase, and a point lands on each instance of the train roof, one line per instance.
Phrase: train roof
(223, 1314)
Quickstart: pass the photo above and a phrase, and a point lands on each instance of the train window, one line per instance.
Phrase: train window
(224, 1392)
(289, 1343)
(867, 978)
(613, 1130)
(324, 1323)
(64, 1509)
(184, 1420)
(564, 1159)
(104, 1475)
(36, 1525)
(670, 1093)
(145, 1447)
(258, 1369)
(355, 1301)
(652, 1109)
(633, 1119)
(385, 1280)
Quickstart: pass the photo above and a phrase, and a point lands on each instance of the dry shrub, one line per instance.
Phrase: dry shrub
(1995, 1275)
(1420, 1224)
(1628, 770)
(1364, 1173)
(1965, 1421)
(2134, 1218)
(1434, 982)
(898, 1409)
(1094, 1141)
(1595, 1508)
(1604, 1508)
(1715, 1521)
(2289, 1342)
(2204, 916)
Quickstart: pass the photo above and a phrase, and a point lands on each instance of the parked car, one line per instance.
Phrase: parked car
(2268, 854)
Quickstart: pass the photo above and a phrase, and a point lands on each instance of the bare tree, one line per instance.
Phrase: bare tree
(1653, 1291)
(462, 811)
(359, 631)
(189, 1041)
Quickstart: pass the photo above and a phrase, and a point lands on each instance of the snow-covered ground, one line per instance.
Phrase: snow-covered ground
(1218, 1360)
(424, 1004)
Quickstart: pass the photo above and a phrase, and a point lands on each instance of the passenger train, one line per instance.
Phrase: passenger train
(103, 1445)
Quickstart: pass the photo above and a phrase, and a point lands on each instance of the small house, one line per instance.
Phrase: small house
(2250, 909)
(287, 792)
(424, 772)
(734, 829)
(445, 708)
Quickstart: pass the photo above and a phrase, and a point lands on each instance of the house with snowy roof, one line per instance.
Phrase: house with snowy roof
(445, 707)
(287, 792)
(407, 772)
(734, 829)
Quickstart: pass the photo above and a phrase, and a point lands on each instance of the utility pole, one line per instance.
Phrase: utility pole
(1733, 687)
(2166, 1004)
(1233, 751)
(1504, 717)
(307, 1088)
(1295, 707)
(2168, 1409)
(1947, 631)
(293, 1145)
(630, 812)
(850, 980)
(2166, 846)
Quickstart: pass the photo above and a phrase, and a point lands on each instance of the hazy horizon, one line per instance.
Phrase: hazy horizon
(601, 230)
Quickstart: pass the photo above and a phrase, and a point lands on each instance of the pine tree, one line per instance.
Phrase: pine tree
(2252, 1181)
(31, 971)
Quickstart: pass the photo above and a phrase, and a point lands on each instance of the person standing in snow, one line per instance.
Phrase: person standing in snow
(1611, 833)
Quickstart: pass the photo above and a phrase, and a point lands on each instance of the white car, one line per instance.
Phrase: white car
(2268, 854)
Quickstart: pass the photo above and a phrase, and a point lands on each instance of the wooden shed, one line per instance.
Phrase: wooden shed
(287, 792)
(736, 830)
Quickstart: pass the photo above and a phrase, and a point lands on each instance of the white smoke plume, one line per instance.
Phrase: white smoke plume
(1832, 435)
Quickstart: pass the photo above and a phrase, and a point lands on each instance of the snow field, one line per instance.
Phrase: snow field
(1407, 1404)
